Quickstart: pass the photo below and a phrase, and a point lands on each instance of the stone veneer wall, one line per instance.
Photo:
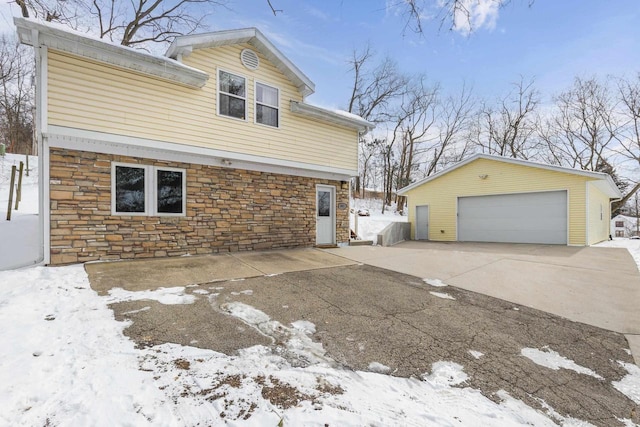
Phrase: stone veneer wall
(227, 210)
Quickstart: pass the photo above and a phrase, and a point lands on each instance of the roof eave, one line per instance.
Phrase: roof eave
(610, 188)
(311, 111)
(184, 45)
(99, 50)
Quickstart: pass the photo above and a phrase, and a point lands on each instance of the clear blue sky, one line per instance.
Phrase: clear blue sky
(553, 41)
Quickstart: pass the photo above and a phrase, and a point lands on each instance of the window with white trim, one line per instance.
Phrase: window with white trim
(267, 105)
(232, 95)
(143, 190)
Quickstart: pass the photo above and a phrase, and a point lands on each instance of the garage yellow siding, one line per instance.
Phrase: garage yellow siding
(89, 95)
(502, 178)
(599, 215)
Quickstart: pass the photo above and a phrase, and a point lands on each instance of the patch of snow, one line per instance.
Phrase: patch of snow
(137, 311)
(369, 226)
(167, 296)
(247, 292)
(304, 326)
(87, 372)
(476, 354)
(632, 245)
(516, 308)
(564, 421)
(378, 368)
(201, 291)
(442, 295)
(630, 384)
(434, 282)
(272, 275)
(446, 374)
(552, 360)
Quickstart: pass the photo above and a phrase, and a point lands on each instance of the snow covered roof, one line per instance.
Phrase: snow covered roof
(36, 33)
(184, 45)
(338, 117)
(605, 182)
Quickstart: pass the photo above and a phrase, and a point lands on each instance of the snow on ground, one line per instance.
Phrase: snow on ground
(442, 295)
(553, 360)
(434, 282)
(19, 243)
(368, 227)
(65, 361)
(632, 245)
(630, 384)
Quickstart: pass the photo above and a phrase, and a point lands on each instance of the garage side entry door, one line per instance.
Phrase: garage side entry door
(514, 218)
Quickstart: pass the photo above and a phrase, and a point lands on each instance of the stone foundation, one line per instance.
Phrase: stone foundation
(227, 210)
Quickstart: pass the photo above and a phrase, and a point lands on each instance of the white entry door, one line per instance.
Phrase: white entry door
(422, 222)
(325, 215)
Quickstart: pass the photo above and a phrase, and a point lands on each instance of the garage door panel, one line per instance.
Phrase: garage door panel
(518, 218)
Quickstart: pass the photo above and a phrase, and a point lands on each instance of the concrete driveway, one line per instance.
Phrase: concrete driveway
(592, 285)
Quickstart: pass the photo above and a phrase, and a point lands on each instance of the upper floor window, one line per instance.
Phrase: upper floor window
(619, 223)
(232, 95)
(267, 105)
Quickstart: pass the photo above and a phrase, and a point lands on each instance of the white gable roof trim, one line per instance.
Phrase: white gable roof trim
(610, 188)
(184, 45)
(35, 33)
(342, 119)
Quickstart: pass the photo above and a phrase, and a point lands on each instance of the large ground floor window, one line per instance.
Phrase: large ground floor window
(147, 190)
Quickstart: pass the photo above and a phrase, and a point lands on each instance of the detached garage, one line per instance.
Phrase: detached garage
(496, 199)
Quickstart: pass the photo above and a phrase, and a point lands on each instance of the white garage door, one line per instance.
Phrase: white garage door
(514, 218)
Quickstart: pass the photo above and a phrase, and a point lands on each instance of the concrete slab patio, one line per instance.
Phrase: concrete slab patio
(183, 271)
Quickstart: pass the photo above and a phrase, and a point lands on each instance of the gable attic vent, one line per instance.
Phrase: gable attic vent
(249, 59)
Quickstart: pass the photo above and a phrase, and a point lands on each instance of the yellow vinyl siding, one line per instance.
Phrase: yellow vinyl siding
(93, 96)
(599, 215)
(502, 178)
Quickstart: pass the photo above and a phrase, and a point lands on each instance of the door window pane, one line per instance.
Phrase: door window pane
(130, 186)
(169, 191)
(324, 203)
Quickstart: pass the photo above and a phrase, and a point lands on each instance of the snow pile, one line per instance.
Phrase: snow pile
(20, 241)
(369, 226)
(552, 360)
(65, 361)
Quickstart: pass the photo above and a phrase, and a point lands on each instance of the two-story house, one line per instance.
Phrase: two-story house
(624, 226)
(209, 148)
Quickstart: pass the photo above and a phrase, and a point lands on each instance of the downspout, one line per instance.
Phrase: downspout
(40, 53)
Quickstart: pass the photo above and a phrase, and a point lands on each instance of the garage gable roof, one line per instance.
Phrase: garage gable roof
(604, 181)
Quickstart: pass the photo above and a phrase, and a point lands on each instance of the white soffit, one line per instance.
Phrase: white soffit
(184, 45)
(57, 38)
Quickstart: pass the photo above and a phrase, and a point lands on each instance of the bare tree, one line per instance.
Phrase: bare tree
(508, 129)
(451, 143)
(415, 117)
(16, 96)
(375, 89)
(629, 136)
(132, 23)
(583, 126)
